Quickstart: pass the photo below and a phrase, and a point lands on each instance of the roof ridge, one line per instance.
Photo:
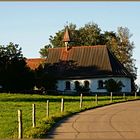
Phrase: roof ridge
(81, 47)
(34, 58)
(89, 46)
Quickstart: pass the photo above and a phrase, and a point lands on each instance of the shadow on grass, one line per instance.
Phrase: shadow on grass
(57, 99)
(40, 100)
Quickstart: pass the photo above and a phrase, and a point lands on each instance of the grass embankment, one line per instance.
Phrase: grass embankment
(10, 103)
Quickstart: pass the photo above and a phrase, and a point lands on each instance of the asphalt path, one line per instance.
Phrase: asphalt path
(115, 122)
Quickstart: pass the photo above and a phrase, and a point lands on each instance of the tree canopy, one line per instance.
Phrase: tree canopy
(91, 34)
(113, 86)
(15, 75)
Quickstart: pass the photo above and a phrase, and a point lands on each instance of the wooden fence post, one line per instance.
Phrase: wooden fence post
(135, 95)
(81, 100)
(111, 97)
(47, 108)
(124, 96)
(62, 105)
(96, 99)
(19, 124)
(33, 115)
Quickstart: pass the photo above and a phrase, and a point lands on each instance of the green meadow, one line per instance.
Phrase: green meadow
(11, 103)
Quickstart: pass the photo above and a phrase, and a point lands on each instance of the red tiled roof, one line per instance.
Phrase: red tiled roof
(83, 55)
(91, 61)
(34, 63)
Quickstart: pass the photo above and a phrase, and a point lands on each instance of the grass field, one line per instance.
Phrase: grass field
(10, 103)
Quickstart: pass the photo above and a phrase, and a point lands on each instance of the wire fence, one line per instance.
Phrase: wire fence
(31, 112)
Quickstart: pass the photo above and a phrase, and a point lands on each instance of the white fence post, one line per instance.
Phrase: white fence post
(19, 124)
(81, 100)
(47, 108)
(96, 99)
(111, 97)
(62, 105)
(33, 115)
(135, 95)
(124, 96)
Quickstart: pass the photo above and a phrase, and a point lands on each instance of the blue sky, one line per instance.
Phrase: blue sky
(30, 24)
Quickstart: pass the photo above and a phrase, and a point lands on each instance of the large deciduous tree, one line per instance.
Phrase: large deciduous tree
(84, 36)
(46, 77)
(89, 35)
(120, 44)
(15, 76)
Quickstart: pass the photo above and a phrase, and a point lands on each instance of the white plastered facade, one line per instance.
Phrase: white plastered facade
(94, 84)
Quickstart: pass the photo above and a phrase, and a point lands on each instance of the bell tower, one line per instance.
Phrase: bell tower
(66, 38)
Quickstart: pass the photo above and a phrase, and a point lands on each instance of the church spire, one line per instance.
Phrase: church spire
(66, 38)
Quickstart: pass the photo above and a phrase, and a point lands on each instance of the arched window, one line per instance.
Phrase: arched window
(77, 85)
(67, 86)
(100, 84)
(86, 84)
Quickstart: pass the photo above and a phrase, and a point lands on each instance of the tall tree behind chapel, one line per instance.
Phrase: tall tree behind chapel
(91, 34)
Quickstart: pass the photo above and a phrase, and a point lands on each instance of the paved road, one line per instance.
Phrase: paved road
(115, 122)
